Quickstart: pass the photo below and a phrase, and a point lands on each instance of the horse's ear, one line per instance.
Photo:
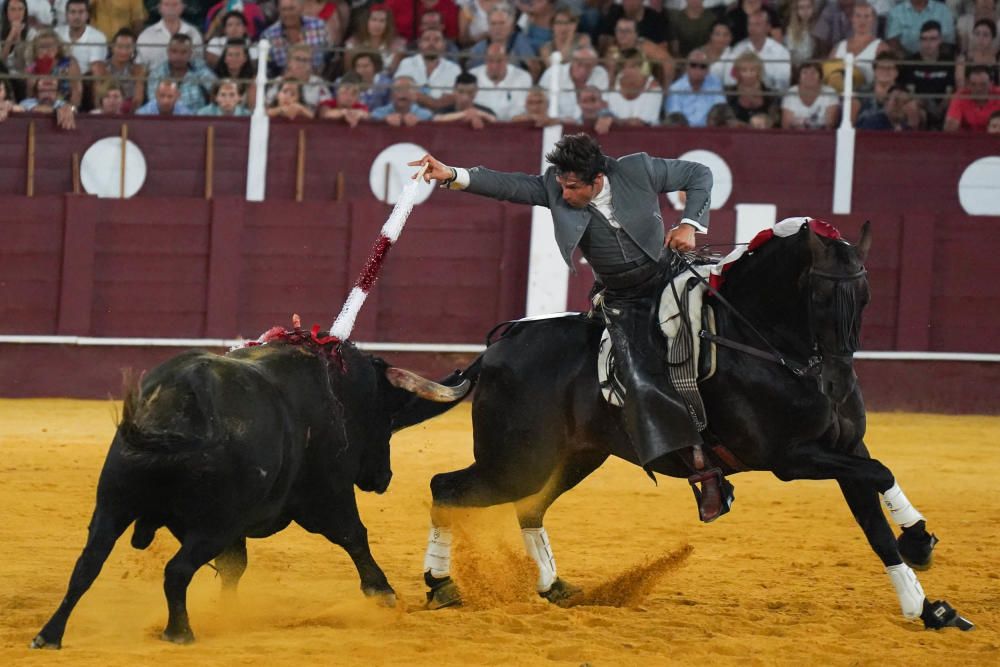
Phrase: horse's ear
(865, 244)
(816, 247)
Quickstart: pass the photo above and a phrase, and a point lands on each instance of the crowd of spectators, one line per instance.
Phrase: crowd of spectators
(919, 64)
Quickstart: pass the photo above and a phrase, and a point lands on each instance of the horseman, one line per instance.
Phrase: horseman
(609, 208)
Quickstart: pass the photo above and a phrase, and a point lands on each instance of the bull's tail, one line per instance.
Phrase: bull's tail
(419, 409)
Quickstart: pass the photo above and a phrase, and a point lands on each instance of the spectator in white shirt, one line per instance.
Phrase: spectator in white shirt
(431, 71)
(88, 44)
(502, 87)
(574, 76)
(152, 42)
(638, 99)
(810, 105)
(777, 60)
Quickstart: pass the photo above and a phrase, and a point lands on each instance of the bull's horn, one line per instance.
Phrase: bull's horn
(424, 388)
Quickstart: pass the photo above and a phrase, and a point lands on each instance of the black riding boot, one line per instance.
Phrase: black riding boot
(656, 417)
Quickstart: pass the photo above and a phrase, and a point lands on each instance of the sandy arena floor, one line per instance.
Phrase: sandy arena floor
(786, 578)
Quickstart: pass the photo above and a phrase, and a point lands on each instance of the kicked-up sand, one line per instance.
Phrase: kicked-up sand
(786, 578)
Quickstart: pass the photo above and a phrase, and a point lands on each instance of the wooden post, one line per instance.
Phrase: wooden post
(31, 159)
(121, 176)
(76, 173)
(300, 167)
(209, 159)
(339, 190)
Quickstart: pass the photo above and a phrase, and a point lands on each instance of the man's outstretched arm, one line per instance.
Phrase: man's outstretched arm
(518, 188)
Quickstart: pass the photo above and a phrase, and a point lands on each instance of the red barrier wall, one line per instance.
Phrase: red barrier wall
(170, 263)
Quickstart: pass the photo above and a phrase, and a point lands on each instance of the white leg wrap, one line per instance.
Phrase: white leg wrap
(536, 542)
(902, 512)
(908, 589)
(437, 560)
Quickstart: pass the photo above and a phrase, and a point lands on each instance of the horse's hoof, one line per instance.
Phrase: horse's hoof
(940, 614)
(40, 642)
(383, 598)
(178, 637)
(443, 593)
(916, 546)
(561, 593)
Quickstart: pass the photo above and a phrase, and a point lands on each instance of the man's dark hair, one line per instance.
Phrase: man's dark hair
(979, 69)
(578, 154)
(988, 24)
(930, 25)
(995, 114)
(124, 32)
(85, 3)
(465, 78)
(181, 38)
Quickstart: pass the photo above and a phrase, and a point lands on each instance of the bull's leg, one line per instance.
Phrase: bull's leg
(337, 519)
(197, 549)
(861, 480)
(231, 564)
(531, 512)
(105, 529)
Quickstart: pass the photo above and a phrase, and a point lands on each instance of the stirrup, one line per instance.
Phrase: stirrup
(715, 497)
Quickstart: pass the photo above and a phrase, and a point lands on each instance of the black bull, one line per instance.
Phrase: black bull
(541, 426)
(221, 448)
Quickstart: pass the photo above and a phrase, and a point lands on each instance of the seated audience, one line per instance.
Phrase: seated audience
(431, 71)
(776, 59)
(48, 55)
(87, 43)
(515, 44)
(594, 110)
(464, 108)
(153, 41)
(981, 50)
(122, 68)
(402, 108)
(799, 40)
(165, 101)
(293, 28)
(690, 27)
(579, 72)
(932, 74)
(907, 19)
(749, 95)
(626, 39)
(15, 34)
(502, 87)
(195, 81)
(376, 32)
(346, 105)
(565, 38)
(226, 100)
(899, 112)
(236, 64)
(108, 98)
(863, 44)
(974, 106)
(315, 89)
(375, 84)
(696, 92)
(810, 105)
(536, 109)
(289, 103)
(233, 29)
(638, 97)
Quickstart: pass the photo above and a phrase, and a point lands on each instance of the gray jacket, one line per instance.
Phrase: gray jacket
(636, 183)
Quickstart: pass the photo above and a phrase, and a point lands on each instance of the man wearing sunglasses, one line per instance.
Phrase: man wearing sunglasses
(696, 92)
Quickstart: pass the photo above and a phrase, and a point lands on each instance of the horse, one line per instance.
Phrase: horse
(794, 408)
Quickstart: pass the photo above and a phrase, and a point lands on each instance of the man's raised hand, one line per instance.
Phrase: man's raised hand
(435, 168)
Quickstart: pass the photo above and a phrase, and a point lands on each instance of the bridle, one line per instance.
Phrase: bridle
(813, 366)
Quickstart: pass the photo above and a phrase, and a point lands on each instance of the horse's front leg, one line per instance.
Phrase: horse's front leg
(861, 480)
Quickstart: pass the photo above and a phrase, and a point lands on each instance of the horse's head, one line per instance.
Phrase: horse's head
(837, 286)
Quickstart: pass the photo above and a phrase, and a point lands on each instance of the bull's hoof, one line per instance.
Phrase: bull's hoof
(916, 546)
(940, 614)
(41, 642)
(184, 636)
(562, 593)
(443, 592)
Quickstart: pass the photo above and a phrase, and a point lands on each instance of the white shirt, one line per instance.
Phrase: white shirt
(777, 63)
(814, 115)
(91, 47)
(568, 107)
(440, 82)
(152, 43)
(506, 98)
(41, 10)
(645, 107)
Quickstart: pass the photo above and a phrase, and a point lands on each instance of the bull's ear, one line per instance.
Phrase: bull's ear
(865, 244)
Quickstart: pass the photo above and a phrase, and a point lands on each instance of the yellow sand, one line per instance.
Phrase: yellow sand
(787, 578)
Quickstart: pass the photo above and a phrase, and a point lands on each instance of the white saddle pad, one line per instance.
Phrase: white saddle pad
(670, 323)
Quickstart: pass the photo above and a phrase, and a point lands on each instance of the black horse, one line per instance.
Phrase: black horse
(784, 398)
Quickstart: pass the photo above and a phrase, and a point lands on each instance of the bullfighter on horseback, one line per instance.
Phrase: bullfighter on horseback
(610, 209)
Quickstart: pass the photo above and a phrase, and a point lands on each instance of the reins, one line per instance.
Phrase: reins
(797, 369)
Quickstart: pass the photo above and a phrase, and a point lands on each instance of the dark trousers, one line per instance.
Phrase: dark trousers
(656, 418)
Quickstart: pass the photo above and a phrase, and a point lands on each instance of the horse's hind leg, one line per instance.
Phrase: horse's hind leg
(106, 526)
(530, 513)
